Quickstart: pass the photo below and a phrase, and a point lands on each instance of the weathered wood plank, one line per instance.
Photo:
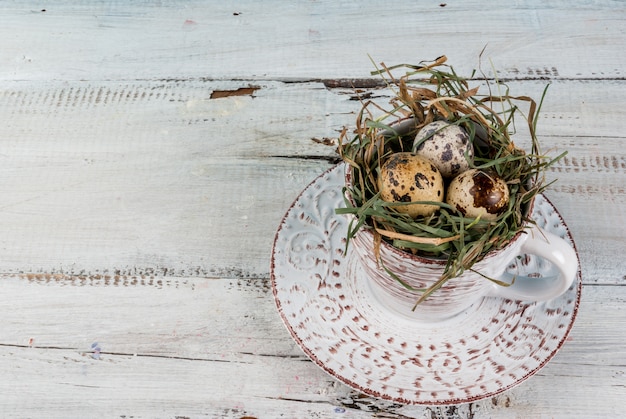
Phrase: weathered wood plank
(320, 39)
(177, 345)
(157, 178)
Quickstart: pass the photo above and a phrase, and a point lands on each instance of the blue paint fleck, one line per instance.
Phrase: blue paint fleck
(96, 350)
(340, 410)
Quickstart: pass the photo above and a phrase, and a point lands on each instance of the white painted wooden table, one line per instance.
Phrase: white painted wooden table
(149, 150)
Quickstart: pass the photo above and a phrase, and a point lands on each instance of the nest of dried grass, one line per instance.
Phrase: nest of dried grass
(425, 93)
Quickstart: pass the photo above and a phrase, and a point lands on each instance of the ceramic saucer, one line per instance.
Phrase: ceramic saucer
(324, 301)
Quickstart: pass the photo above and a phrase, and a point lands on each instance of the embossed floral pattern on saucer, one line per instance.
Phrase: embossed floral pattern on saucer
(330, 312)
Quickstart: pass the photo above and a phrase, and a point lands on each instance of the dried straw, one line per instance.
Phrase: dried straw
(428, 92)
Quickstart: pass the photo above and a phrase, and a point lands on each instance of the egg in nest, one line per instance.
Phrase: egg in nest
(446, 145)
(478, 193)
(407, 177)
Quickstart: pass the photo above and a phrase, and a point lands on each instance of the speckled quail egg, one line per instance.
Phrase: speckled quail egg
(407, 177)
(478, 193)
(445, 144)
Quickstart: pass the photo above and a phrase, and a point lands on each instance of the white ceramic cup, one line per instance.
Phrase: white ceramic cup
(459, 293)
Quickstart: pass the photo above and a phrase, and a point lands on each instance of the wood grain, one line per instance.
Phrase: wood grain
(149, 150)
(172, 181)
(317, 39)
(89, 346)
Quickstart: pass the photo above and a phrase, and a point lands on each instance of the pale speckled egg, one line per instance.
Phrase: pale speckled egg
(445, 144)
(478, 193)
(407, 177)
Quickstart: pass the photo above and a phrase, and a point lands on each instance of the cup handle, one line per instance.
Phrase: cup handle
(552, 248)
